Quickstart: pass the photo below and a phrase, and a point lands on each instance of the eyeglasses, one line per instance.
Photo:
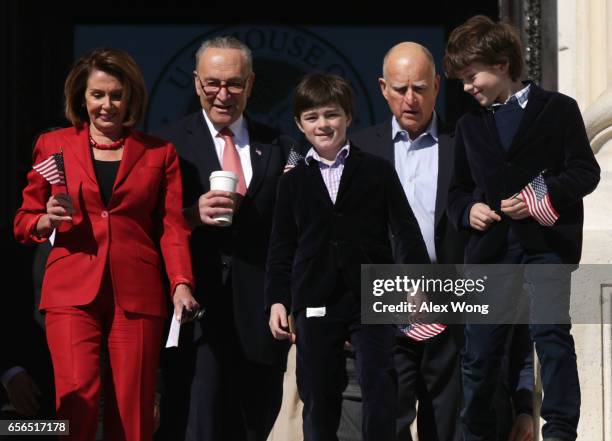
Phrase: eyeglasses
(213, 87)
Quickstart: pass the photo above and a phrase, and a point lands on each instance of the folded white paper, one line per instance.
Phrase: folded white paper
(173, 335)
(316, 312)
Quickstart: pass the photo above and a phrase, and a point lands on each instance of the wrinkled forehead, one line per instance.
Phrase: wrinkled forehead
(410, 73)
(223, 63)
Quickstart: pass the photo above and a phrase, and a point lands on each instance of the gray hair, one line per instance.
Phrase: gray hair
(226, 42)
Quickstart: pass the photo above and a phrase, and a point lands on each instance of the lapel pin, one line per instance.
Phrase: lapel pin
(258, 152)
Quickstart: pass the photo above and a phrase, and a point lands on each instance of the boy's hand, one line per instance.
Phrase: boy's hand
(481, 216)
(279, 324)
(515, 208)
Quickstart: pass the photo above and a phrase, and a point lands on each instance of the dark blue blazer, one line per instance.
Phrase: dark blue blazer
(551, 138)
(315, 241)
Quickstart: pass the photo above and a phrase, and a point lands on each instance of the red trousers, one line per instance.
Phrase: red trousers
(75, 336)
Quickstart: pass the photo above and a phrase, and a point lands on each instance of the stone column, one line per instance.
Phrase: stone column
(585, 73)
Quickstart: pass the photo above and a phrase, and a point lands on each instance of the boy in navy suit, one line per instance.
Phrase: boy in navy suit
(333, 213)
(522, 166)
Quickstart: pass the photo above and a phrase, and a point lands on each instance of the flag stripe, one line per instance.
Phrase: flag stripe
(420, 332)
(52, 169)
(535, 194)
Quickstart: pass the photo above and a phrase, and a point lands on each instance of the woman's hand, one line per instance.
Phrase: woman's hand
(183, 298)
(59, 209)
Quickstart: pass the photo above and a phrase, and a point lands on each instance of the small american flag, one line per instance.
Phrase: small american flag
(535, 195)
(52, 169)
(292, 160)
(420, 332)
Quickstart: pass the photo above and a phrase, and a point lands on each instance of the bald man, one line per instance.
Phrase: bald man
(417, 142)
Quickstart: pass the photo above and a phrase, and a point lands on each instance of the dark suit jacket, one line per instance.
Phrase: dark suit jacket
(551, 137)
(315, 241)
(238, 251)
(377, 140)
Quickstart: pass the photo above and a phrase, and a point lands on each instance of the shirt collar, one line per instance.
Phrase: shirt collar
(340, 156)
(431, 130)
(522, 97)
(238, 128)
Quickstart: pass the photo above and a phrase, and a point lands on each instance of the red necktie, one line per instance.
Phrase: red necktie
(231, 159)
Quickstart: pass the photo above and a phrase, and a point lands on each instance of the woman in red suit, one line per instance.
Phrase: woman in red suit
(113, 197)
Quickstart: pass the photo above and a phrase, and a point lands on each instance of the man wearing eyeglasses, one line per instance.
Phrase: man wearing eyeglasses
(235, 389)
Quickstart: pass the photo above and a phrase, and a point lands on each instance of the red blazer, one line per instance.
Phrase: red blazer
(143, 218)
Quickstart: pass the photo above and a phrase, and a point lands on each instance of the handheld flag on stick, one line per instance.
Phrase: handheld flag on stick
(52, 169)
(420, 332)
(292, 160)
(536, 197)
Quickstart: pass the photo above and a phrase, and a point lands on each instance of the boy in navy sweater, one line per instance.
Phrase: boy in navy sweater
(522, 166)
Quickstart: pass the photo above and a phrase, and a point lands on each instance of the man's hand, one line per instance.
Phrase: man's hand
(211, 204)
(515, 208)
(183, 298)
(279, 324)
(23, 394)
(522, 430)
(481, 216)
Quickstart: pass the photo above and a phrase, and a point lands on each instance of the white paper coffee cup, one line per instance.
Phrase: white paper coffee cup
(224, 181)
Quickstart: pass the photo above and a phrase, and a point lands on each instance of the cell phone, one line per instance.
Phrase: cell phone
(192, 314)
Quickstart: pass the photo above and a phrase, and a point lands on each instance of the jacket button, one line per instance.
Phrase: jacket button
(104, 214)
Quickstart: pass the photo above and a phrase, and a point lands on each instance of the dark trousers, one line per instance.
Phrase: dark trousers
(484, 348)
(231, 398)
(213, 392)
(321, 373)
(514, 395)
(429, 372)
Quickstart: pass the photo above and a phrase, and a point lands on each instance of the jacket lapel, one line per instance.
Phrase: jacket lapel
(445, 167)
(535, 104)
(79, 153)
(260, 156)
(387, 146)
(132, 152)
(353, 161)
(317, 183)
(203, 146)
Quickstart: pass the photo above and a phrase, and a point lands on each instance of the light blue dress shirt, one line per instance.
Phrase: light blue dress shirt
(416, 163)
